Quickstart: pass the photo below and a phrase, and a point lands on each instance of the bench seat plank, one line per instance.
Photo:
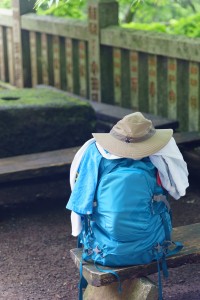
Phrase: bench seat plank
(189, 235)
(187, 140)
(59, 161)
(35, 165)
(112, 114)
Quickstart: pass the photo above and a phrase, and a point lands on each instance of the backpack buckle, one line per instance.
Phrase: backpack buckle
(159, 248)
(162, 198)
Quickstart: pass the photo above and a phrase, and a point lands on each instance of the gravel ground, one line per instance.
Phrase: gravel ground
(34, 254)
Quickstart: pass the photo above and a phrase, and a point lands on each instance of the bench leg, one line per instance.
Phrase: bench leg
(137, 289)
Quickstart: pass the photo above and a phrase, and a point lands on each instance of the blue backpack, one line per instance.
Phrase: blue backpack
(131, 220)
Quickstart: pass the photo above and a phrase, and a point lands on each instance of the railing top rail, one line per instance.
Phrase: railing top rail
(54, 25)
(175, 46)
(6, 17)
(152, 42)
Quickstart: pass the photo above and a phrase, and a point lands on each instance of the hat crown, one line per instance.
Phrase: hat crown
(134, 125)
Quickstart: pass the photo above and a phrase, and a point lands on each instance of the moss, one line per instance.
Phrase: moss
(43, 120)
(36, 97)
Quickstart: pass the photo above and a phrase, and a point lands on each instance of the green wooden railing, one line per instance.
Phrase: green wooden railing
(99, 60)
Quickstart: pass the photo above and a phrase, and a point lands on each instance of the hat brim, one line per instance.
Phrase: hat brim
(134, 150)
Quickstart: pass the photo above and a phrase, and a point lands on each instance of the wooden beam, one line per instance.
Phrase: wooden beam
(152, 42)
(70, 28)
(6, 18)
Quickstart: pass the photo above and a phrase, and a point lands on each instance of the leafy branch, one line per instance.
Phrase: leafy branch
(49, 3)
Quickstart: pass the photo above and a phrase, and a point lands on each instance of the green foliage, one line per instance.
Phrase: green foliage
(63, 8)
(5, 4)
(48, 2)
(189, 26)
(158, 27)
(157, 11)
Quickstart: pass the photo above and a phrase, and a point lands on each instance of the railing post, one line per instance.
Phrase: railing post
(101, 13)
(20, 7)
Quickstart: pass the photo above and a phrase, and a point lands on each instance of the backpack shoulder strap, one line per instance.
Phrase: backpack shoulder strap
(107, 165)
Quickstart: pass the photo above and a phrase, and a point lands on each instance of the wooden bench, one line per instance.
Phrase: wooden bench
(36, 165)
(58, 161)
(134, 279)
(187, 140)
(40, 176)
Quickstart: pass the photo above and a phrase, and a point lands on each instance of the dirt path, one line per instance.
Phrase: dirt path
(34, 253)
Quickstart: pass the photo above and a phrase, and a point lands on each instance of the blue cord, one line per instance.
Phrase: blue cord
(110, 272)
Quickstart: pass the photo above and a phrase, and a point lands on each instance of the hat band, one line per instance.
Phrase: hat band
(128, 139)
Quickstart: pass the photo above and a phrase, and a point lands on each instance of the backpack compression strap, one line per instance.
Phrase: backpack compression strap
(162, 252)
(82, 282)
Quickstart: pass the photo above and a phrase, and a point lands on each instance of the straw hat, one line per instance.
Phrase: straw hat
(134, 137)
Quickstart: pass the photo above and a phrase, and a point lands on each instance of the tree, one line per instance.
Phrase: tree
(5, 3)
(62, 8)
(145, 11)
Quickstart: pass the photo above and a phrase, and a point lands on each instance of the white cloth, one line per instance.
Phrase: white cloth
(76, 162)
(170, 164)
(172, 169)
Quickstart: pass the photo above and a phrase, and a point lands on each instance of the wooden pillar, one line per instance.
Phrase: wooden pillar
(117, 70)
(20, 7)
(134, 65)
(2, 56)
(101, 13)
(82, 68)
(194, 92)
(152, 82)
(33, 58)
(172, 88)
(10, 51)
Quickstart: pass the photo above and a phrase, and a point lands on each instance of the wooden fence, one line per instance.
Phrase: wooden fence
(150, 72)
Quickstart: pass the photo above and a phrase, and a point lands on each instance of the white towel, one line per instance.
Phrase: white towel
(172, 169)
